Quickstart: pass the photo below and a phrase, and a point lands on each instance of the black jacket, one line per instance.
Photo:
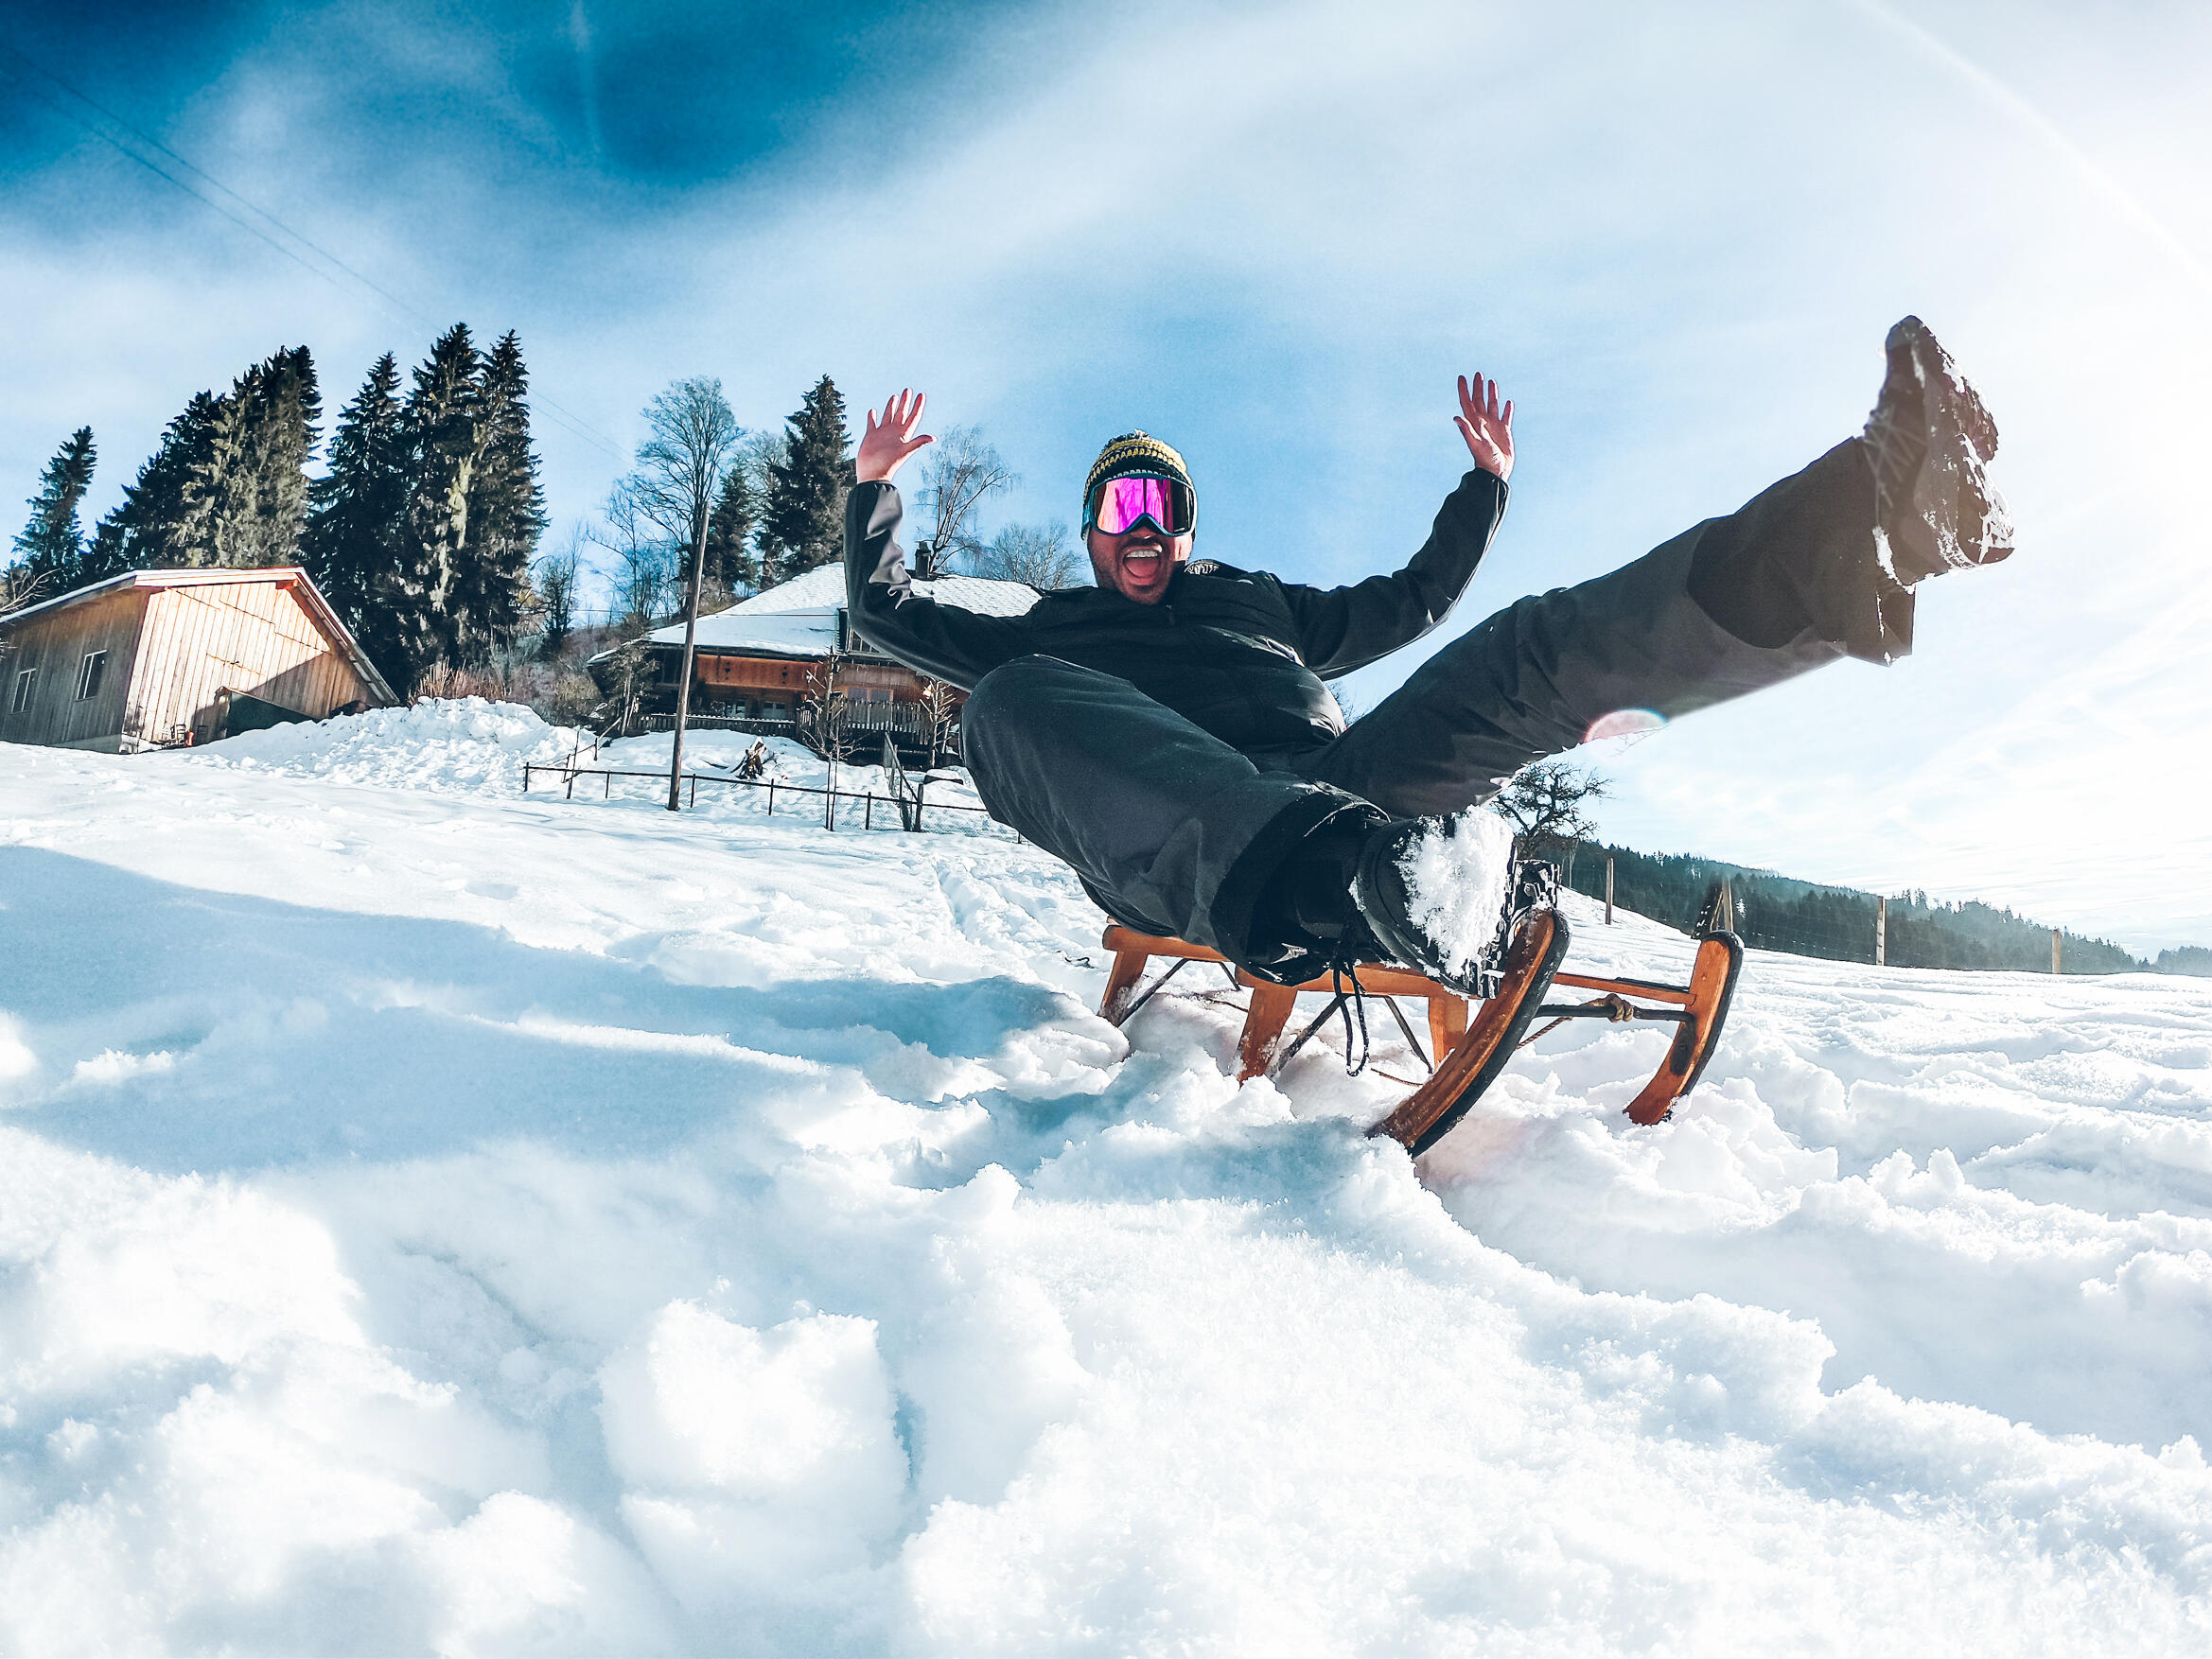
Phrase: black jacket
(1239, 653)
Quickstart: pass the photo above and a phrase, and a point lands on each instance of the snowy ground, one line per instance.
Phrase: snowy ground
(439, 1219)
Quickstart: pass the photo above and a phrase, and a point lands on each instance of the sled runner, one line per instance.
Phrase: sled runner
(1472, 1043)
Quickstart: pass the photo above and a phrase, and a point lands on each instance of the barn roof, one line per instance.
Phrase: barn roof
(293, 576)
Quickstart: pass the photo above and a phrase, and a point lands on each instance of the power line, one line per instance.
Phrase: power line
(153, 143)
(574, 424)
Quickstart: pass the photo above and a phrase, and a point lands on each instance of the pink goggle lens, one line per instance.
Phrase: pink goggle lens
(1123, 502)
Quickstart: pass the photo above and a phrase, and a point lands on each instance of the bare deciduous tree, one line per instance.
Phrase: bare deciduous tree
(940, 709)
(678, 476)
(958, 472)
(680, 467)
(1038, 554)
(558, 572)
(1545, 803)
(824, 718)
(629, 673)
(644, 575)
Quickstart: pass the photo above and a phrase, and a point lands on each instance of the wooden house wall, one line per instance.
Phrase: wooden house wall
(758, 673)
(725, 671)
(54, 646)
(252, 636)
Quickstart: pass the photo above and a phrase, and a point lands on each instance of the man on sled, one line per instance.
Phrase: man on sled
(1169, 733)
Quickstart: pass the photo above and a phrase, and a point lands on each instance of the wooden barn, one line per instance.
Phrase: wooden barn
(753, 662)
(158, 658)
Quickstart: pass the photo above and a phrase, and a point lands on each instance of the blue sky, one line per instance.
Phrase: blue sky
(1273, 235)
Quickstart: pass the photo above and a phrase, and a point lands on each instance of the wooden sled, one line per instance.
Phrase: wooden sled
(1472, 1044)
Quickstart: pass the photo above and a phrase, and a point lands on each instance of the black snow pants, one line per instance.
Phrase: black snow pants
(1174, 831)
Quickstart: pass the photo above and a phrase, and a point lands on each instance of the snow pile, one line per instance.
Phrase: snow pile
(1458, 872)
(475, 1222)
(461, 743)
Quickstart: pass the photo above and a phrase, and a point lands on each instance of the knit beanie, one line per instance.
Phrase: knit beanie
(1137, 453)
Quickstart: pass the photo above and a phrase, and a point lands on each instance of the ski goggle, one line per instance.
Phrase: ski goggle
(1120, 504)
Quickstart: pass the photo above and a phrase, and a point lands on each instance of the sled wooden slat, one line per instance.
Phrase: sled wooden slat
(1471, 1044)
(1628, 988)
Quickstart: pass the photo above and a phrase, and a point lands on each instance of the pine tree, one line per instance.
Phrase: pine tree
(356, 514)
(281, 429)
(219, 493)
(803, 519)
(505, 511)
(730, 560)
(442, 416)
(50, 550)
(248, 496)
(162, 521)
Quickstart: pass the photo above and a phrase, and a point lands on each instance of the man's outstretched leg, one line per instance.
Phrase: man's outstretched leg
(1815, 567)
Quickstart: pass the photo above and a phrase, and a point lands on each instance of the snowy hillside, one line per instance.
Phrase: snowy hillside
(436, 1218)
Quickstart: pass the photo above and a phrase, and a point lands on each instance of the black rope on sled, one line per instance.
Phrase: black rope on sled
(1359, 1002)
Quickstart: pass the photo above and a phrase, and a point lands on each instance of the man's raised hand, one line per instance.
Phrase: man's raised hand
(1487, 430)
(891, 437)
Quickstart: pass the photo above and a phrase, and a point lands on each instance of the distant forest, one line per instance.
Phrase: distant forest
(1777, 912)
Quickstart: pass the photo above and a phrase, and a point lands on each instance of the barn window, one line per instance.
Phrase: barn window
(22, 682)
(89, 672)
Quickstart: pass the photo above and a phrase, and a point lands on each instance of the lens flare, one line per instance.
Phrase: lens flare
(1623, 723)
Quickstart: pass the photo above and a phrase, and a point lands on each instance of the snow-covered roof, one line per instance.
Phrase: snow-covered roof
(823, 588)
(806, 632)
(799, 618)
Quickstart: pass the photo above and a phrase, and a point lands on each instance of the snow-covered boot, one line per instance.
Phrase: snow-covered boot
(1443, 895)
(1930, 441)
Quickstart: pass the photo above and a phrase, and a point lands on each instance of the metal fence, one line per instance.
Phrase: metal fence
(867, 800)
(858, 726)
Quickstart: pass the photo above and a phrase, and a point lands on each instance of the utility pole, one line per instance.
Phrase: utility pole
(834, 742)
(683, 687)
(1881, 931)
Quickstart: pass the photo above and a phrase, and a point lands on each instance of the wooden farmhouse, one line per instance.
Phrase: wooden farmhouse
(752, 663)
(158, 658)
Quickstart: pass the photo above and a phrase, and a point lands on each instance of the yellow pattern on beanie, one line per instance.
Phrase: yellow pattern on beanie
(1141, 453)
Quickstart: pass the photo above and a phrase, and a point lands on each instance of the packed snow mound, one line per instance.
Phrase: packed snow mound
(463, 743)
(1458, 872)
(475, 1222)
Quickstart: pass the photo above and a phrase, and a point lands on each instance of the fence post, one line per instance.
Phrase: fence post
(1881, 933)
(525, 778)
(2056, 936)
(867, 813)
(1608, 889)
(693, 798)
(571, 795)
(771, 797)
